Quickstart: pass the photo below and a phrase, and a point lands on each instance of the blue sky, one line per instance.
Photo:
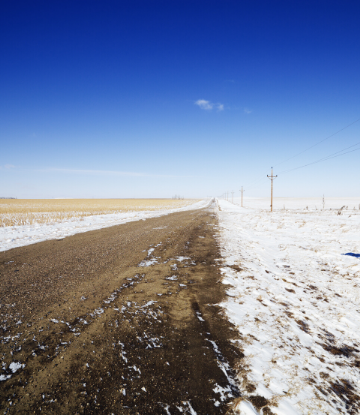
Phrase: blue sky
(156, 98)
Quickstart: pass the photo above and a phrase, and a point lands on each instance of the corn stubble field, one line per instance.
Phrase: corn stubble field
(15, 212)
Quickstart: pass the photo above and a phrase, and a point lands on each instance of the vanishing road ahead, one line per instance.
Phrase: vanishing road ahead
(121, 320)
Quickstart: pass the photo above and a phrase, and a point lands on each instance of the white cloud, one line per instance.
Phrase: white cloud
(204, 105)
(208, 106)
(247, 111)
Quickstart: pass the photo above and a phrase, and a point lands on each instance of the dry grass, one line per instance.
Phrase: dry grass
(14, 212)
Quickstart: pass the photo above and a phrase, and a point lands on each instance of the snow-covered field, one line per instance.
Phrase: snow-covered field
(308, 203)
(294, 296)
(15, 236)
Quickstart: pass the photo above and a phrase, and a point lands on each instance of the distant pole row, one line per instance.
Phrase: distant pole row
(271, 177)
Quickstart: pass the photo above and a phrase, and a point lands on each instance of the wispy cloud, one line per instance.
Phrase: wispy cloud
(208, 106)
(247, 111)
(92, 172)
(104, 172)
(7, 167)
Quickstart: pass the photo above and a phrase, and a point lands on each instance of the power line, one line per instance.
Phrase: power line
(330, 156)
(256, 184)
(253, 184)
(314, 145)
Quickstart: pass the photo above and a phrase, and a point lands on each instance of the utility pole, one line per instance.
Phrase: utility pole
(232, 197)
(272, 177)
(242, 191)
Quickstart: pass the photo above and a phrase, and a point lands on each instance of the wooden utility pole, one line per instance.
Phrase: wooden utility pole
(272, 177)
(242, 191)
(232, 197)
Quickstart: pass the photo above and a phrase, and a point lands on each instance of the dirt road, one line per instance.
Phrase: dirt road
(117, 321)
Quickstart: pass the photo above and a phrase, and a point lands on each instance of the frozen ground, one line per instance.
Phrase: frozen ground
(294, 296)
(15, 236)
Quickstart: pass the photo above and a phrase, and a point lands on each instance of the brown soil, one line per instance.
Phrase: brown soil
(98, 333)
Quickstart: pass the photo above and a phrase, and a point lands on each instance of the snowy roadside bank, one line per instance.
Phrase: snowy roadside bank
(16, 236)
(295, 298)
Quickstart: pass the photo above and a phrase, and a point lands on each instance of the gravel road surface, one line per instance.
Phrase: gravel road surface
(121, 320)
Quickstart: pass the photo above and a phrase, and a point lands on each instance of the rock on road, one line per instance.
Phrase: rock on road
(121, 320)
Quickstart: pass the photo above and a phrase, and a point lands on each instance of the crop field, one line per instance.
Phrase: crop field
(15, 212)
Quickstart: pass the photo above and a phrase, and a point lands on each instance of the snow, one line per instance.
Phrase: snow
(224, 392)
(294, 297)
(172, 278)
(148, 262)
(187, 408)
(149, 303)
(13, 367)
(182, 258)
(245, 408)
(16, 236)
